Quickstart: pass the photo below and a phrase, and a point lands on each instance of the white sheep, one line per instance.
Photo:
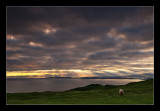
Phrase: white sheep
(121, 92)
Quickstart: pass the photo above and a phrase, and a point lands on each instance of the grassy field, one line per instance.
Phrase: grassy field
(135, 93)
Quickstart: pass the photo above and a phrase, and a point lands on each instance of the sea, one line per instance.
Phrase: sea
(25, 85)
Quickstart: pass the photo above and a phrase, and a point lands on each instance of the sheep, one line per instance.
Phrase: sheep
(121, 92)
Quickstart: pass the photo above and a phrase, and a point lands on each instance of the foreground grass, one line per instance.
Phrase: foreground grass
(135, 93)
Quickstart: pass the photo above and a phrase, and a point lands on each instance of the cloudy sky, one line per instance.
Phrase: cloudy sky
(79, 41)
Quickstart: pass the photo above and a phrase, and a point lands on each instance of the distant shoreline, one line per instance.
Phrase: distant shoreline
(80, 78)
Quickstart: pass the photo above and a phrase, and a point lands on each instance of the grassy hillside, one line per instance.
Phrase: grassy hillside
(135, 93)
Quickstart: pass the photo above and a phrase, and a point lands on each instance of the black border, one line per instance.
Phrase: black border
(3, 54)
(6, 3)
(156, 56)
(81, 3)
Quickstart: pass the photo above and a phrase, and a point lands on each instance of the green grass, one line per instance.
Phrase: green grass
(135, 93)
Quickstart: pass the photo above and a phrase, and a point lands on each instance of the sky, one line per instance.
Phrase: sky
(79, 41)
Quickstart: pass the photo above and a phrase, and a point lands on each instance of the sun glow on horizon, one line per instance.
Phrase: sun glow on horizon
(43, 73)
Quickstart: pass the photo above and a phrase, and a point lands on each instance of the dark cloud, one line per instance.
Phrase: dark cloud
(136, 54)
(129, 46)
(139, 33)
(40, 38)
(102, 55)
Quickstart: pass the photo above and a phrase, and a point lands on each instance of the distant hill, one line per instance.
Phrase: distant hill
(61, 77)
(93, 87)
(99, 86)
(133, 76)
(144, 76)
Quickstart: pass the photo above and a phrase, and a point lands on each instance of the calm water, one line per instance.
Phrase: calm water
(41, 85)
